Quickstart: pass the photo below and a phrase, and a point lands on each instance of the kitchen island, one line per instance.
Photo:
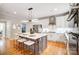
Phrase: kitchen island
(39, 39)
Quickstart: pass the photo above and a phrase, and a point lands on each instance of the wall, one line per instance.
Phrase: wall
(44, 22)
(60, 23)
(8, 27)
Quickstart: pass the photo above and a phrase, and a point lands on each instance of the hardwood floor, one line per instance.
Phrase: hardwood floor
(53, 48)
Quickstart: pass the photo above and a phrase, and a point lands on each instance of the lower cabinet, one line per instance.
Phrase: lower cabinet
(42, 43)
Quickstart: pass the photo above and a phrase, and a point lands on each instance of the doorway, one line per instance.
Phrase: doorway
(2, 30)
(2, 37)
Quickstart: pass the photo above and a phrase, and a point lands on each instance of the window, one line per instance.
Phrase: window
(23, 27)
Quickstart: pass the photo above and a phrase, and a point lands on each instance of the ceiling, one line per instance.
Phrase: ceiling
(20, 10)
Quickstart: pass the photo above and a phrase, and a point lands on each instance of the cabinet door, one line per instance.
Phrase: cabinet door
(40, 44)
(44, 42)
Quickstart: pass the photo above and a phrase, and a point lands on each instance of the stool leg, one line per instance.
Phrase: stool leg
(24, 49)
(34, 49)
(15, 46)
(21, 48)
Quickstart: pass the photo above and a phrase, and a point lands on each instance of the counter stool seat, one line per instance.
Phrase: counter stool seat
(28, 44)
(20, 45)
(21, 40)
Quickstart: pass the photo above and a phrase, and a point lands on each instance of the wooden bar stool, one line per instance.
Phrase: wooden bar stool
(28, 44)
(16, 38)
(21, 44)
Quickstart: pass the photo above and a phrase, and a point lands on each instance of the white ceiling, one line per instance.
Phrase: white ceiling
(19, 10)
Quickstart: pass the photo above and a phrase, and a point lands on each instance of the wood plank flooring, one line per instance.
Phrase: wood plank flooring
(53, 48)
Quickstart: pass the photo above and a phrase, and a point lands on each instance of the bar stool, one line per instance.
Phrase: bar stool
(16, 38)
(21, 44)
(28, 44)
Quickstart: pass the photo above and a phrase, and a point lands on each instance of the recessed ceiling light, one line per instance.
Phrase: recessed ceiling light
(14, 12)
(55, 9)
(24, 21)
(25, 12)
(35, 19)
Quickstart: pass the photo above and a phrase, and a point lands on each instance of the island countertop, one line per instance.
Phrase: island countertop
(32, 36)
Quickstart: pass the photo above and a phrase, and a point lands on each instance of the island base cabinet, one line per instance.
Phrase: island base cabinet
(42, 44)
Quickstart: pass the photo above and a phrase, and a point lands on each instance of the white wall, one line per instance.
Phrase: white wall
(8, 27)
(44, 22)
(60, 23)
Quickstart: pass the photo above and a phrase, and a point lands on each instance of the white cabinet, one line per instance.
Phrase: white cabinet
(56, 37)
